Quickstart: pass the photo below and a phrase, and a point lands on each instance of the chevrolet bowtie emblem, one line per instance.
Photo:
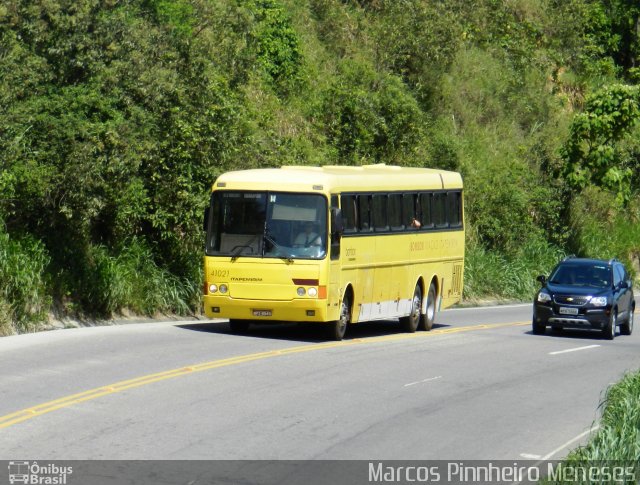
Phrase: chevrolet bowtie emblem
(569, 299)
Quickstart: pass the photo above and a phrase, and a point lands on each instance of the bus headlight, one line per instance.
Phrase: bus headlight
(301, 291)
(313, 292)
(223, 288)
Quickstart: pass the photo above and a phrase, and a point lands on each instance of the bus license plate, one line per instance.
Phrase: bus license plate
(261, 313)
(568, 311)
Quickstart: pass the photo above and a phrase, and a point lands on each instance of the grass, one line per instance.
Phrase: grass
(24, 292)
(132, 280)
(495, 275)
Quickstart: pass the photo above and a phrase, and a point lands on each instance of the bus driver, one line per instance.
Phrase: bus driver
(307, 237)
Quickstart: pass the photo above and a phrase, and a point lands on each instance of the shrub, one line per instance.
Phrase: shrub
(24, 295)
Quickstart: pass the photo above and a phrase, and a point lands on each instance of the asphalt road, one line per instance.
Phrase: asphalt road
(478, 386)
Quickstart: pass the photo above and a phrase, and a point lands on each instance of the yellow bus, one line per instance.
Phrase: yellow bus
(335, 245)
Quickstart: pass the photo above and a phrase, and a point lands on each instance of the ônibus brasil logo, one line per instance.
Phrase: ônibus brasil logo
(33, 474)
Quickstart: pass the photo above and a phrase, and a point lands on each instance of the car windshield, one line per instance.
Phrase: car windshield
(596, 276)
(267, 225)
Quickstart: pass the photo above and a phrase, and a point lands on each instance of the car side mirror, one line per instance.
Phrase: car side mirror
(623, 285)
(542, 279)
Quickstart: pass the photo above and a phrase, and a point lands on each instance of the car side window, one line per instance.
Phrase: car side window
(618, 275)
(625, 275)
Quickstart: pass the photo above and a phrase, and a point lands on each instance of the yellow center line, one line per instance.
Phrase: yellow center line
(66, 401)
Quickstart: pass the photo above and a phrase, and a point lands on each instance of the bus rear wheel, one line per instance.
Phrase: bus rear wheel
(426, 320)
(338, 328)
(410, 323)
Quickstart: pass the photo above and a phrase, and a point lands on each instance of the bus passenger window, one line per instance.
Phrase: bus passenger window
(409, 215)
(349, 207)
(364, 213)
(454, 207)
(395, 212)
(425, 210)
(440, 209)
(379, 213)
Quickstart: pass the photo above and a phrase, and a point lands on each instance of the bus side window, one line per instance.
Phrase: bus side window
(395, 212)
(349, 208)
(440, 209)
(379, 212)
(409, 211)
(454, 212)
(425, 210)
(364, 213)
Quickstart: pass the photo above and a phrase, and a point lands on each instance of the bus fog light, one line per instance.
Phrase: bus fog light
(213, 288)
(223, 288)
(301, 291)
(313, 292)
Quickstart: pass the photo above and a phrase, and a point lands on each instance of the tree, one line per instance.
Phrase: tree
(592, 154)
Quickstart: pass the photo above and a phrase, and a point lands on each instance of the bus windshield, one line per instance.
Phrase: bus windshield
(267, 225)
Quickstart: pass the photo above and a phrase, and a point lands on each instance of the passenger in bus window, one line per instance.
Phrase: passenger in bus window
(415, 223)
(307, 238)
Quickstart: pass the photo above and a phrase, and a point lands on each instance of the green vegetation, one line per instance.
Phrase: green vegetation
(117, 115)
(617, 441)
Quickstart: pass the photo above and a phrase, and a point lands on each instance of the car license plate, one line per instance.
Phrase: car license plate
(567, 310)
(261, 313)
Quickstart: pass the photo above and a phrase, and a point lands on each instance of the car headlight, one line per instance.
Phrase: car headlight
(599, 301)
(544, 297)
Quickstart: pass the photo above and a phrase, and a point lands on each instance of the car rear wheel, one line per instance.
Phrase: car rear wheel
(627, 328)
(609, 332)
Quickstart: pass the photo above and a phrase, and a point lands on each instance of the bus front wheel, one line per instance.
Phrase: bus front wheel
(338, 328)
(410, 323)
(239, 326)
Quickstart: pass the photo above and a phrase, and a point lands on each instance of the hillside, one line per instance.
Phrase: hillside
(117, 115)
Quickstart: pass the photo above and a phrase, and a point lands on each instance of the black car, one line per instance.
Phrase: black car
(586, 294)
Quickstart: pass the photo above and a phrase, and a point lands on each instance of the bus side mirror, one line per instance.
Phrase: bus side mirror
(205, 221)
(337, 225)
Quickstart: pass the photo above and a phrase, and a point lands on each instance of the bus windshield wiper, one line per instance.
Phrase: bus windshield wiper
(268, 237)
(241, 247)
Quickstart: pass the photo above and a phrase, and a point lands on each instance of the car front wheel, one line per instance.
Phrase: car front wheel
(538, 328)
(609, 332)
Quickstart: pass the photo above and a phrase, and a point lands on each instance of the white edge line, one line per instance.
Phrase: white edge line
(558, 449)
(570, 442)
(575, 349)
(422, 381)
(529, 456)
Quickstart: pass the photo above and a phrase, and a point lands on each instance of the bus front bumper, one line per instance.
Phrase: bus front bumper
(298, 310)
